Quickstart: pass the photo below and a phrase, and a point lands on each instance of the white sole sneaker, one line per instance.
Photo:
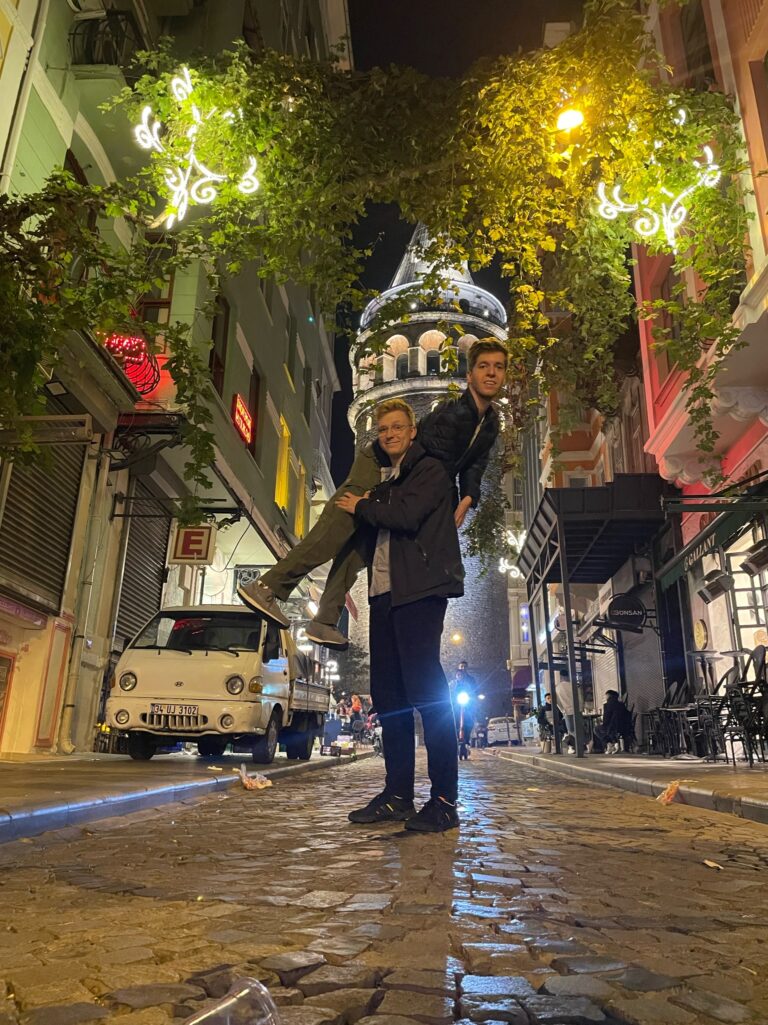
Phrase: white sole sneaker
(266, 606)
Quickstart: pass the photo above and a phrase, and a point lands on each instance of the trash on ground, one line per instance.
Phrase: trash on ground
(669, 793)
(256, 782)
(712, 864)
(215, 768)
(246, 1003)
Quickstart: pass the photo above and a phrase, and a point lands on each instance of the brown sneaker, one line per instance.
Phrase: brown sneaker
(329, 636)
(260, 598)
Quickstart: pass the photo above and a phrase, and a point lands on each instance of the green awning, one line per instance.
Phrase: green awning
(720, 532)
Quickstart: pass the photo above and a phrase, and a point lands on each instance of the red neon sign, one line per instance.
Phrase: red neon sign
(242, 418)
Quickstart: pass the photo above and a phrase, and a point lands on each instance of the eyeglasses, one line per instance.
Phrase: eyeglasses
(394, 428)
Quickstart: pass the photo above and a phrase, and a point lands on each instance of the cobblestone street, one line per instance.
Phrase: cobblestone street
(555, 903)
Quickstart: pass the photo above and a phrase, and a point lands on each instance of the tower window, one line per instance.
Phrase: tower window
(433, 363)
(401, 366)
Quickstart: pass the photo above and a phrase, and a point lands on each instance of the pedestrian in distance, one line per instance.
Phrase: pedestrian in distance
(459, 432)
(464, 708)
(414, 566)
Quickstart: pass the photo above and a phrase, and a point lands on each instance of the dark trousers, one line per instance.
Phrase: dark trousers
(332, 537)
(406, 674)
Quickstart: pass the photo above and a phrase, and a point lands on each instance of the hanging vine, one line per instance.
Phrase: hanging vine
(265, 165)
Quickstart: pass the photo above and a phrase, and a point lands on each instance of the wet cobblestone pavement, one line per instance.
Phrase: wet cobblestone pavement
(555, 903)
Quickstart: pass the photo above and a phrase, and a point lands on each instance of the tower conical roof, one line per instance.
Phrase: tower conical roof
(413, 267)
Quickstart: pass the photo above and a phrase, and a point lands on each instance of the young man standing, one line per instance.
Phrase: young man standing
(414, 567)
(459, 433)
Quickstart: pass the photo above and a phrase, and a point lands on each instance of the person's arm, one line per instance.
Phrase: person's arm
(410, 502)
(471, 479)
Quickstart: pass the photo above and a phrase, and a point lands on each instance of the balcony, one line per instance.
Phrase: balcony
(108, 40)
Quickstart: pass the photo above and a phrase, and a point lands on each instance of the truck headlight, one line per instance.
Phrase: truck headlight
(122, 716)
(128, 681)
(235, 684)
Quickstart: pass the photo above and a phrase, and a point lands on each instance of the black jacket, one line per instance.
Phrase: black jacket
(446, 433)
(417, 508)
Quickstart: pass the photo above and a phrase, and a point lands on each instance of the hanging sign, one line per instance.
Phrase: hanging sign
(193, 546)
(242, 418)
(626, 610)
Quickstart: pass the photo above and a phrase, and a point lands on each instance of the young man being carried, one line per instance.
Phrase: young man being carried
(459, 433)
(408, 526)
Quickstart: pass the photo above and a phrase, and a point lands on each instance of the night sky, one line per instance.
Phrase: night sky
(436, 38)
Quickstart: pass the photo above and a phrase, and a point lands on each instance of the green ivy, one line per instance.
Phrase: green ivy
(478, 159)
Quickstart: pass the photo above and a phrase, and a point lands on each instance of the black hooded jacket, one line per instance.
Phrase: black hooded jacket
(417, 508)
(446, 434)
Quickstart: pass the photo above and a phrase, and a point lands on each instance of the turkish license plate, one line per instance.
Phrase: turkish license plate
(156, 709)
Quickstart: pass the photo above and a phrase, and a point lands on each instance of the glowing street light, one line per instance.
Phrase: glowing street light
(569, 119)
(457, 638)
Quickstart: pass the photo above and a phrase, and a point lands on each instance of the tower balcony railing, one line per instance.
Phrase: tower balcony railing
(457, 299)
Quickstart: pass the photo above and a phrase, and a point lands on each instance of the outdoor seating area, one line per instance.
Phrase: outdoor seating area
(726, 718)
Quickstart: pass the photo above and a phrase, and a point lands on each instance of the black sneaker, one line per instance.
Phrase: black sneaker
(435, 817)
(383, 808)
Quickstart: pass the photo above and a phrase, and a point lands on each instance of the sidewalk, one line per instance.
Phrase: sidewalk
(739, 791)
(45, 793)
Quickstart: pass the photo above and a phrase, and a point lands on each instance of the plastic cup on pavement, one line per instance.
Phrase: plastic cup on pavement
(246, 1003)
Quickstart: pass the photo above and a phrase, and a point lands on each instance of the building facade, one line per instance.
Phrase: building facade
(717, 44)
(483, 628)
(85, 533)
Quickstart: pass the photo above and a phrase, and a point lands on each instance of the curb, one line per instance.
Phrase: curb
(754, 809)
(18, 825)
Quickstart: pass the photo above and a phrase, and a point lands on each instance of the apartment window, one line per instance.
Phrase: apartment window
(254, 395)
(155, 305)
(220, 335)
(282, 474)
(291, 330)
(575, 481)
(310, 38)
(517, 495)
(698, 56)
(300, 511)
(307, 393)
(267, 287)
(668, 322)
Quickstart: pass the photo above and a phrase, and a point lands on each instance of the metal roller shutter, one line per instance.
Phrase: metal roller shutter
(36, 529)
(141, 590)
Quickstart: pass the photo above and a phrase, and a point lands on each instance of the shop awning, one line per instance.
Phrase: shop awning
(599, 527)
(722, 530)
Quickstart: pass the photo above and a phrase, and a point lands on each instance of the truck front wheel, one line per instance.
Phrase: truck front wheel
(141, 746)
(264, 748)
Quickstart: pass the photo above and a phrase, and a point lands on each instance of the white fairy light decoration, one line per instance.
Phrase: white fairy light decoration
(673, 214)
(189, 181)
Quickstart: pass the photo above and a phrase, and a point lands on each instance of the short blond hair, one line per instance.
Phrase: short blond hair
(396, 406)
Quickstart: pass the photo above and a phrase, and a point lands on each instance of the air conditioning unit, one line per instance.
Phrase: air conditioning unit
(714, 585)
(51, 430)
(604, 596)
(756, 560)
(86, 7)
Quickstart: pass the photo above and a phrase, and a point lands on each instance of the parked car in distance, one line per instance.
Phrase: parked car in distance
(216, 675)
(502, 730)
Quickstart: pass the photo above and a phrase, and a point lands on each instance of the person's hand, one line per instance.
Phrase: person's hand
(461, 511)
(348, 502)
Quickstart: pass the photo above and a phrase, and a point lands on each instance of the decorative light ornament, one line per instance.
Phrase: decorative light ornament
(673, 214)
(138, 364)
(569, 119)
(190, 182)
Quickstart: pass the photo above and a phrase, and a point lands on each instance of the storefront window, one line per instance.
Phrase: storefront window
(748, 597)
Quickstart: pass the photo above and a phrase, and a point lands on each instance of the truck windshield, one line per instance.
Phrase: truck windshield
(209, 631)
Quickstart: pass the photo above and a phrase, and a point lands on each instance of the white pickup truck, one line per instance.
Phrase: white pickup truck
(216, 675)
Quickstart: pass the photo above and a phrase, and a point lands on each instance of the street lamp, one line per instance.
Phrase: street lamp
(569, 119)
(456, 638)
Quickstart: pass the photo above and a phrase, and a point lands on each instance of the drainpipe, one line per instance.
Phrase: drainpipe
(96, 532)
(22, 98)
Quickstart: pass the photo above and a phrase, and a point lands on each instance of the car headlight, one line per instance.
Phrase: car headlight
(128, 681)
(235, 684)
(122, 716)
